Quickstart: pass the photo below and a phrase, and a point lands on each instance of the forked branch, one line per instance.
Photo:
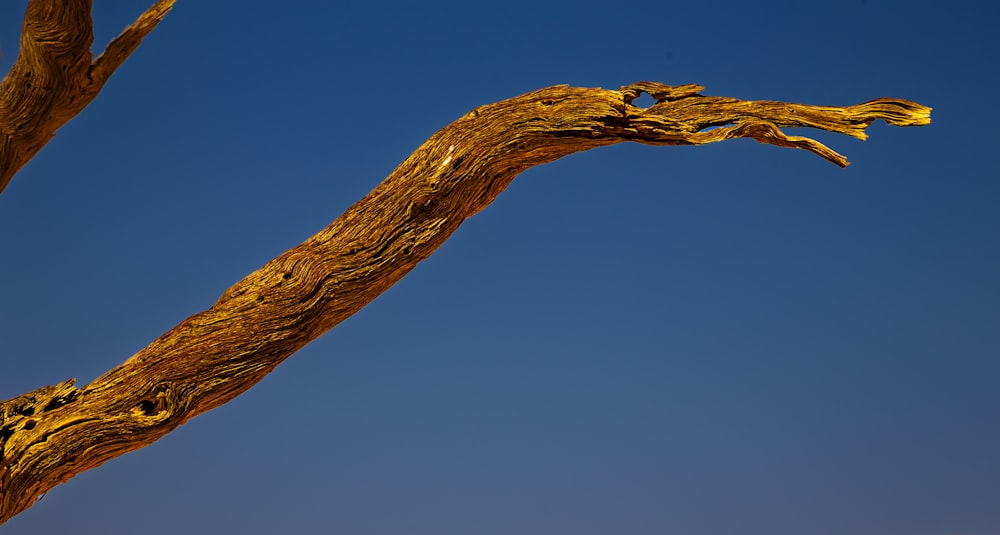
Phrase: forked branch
(55, 76)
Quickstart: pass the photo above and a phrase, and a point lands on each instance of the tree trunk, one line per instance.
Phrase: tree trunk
(51, 434)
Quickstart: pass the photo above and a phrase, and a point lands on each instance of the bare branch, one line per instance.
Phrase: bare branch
(53, 77)
(121, 47)
(215, 355)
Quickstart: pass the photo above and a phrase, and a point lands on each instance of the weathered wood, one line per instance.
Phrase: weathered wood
(55, 75)
(54, 433)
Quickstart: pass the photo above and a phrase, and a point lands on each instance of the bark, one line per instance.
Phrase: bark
(50, 435)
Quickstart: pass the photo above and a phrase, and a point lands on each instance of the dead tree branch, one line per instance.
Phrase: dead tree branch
(55, 76)
(213, 356)
(54, 433)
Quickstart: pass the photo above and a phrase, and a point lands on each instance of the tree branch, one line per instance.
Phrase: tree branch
(50, 435)
(53, 77)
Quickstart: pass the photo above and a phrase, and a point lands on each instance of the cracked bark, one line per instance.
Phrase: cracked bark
(50, 435)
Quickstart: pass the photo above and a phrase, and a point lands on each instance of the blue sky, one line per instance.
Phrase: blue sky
(715, 340)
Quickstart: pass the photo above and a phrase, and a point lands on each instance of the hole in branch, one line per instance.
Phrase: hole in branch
(29, 425)
(147, 407)
(643, 101)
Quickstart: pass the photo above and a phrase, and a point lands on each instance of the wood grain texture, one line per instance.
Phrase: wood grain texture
(50, 435)
(55, 75)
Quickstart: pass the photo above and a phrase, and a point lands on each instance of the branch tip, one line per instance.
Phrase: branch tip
(119, 49)
(897, 112)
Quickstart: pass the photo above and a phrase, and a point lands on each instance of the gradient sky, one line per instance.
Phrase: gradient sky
(729, 339)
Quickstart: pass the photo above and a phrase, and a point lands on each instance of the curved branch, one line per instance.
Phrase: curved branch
(50, 435)
(53, 77)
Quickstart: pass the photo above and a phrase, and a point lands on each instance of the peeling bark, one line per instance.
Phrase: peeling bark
(50, 435)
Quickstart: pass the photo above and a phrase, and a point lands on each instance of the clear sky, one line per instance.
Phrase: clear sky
(730, 339)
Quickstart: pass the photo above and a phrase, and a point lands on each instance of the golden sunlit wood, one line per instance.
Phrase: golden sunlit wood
(54, 433)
